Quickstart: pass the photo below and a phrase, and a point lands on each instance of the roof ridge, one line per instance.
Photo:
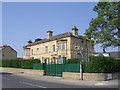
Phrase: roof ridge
(62, 35)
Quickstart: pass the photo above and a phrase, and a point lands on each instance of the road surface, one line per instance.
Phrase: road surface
(10, 80)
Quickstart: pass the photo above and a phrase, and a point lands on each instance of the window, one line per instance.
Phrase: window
(46, 60)
(64, 59)
(32, 52)
(46, 49)
(60, 60)
(59, 46)
(27, 52)
(37, 51)
(54, 60)
(63, 46)
(53, 48)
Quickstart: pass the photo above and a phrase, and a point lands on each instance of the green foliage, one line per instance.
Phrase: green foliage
(71, 61)
(92, 42)
(105, 28)
(26, 64)
(101, 64)
(7, 63)
(15, 63)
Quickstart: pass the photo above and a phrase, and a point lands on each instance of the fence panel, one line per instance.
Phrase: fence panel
(72, 68)
(38, 66)
(57, 69)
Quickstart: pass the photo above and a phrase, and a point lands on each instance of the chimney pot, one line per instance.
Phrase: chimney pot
(49, 34)
(75, 31)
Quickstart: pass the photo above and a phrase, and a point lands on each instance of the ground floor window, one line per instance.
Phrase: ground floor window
(46, 60)
(61, 59)
(54, 60)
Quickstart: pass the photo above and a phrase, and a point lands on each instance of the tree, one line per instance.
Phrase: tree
(105, 29)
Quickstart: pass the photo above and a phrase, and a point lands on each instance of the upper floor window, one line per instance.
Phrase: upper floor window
(46, 49)
(59, 46)
(32, 52)
(37, 51)
(53, 48)
(63, 46)
(27, 52)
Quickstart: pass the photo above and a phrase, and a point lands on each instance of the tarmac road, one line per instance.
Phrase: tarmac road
(11, 80)
(14, 81)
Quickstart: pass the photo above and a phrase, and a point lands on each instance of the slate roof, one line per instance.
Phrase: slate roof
(56, 37)
(4, 46)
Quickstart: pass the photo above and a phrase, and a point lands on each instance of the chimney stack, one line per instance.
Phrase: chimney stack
(29, 41)
(75, 31)
(49, 34)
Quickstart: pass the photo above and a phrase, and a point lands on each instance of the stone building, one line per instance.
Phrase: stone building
(113, 54)
(7, 53)
(56, 49)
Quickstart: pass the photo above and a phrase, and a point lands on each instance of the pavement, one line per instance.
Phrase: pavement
(60, 80)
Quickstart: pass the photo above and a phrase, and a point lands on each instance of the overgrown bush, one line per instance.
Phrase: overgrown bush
(26, 64)
(71, 61)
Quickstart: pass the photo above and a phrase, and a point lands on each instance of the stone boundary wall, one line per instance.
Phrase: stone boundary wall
(18, 70)
(66, 75)
(90, 76)
(116, 75)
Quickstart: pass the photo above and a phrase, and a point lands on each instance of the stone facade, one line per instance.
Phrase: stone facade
(7, 53)
(55, 49)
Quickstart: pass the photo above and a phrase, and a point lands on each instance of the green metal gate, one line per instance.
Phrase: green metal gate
(57, 69)
(54, 69)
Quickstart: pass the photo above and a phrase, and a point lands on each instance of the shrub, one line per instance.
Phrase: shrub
(6, 63)
(70, 61)
(16, 63)
(26, 64)
(101, 64)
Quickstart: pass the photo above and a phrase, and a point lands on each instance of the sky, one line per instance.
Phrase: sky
(23, 21)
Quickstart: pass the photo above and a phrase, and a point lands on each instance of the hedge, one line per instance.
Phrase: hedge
(98, 64)
(25, 64)
(28, 64)
(72, 61)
